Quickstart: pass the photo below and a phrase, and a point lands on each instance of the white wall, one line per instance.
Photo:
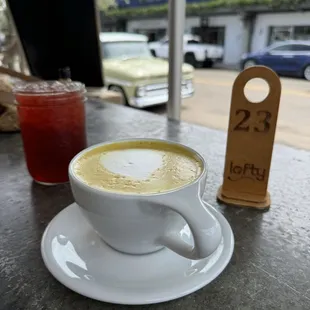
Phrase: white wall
(132, 25)
(234, 32)
(147, 24)
(264, 21)
(190, 23)
(233, 46)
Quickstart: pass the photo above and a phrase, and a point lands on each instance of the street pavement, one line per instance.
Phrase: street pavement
(211, 103)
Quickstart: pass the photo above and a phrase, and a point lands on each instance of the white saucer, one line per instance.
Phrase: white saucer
(80, 260)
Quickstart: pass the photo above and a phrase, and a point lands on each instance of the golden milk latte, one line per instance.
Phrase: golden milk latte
(138, 167)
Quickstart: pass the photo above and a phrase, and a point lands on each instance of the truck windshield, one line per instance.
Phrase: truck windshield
(125, 50)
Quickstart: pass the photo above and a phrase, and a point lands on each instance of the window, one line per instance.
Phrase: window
(291, 48)
(193, 42)
(210, 35)
(301, 48)
(125, 50)
(280, 34)
(282, 48)
(302, 33)
(284, 33)
(152, 34)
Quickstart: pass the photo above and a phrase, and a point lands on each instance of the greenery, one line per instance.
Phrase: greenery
(204, 7)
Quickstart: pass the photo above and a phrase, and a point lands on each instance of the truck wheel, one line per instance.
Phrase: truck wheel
(190, 58)
(208, 64)
(119, 90)
(153, 53)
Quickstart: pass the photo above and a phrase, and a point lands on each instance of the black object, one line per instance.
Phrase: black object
(64, 73)
(57, 34)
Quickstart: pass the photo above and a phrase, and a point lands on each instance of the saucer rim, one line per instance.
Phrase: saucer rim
(59, 276)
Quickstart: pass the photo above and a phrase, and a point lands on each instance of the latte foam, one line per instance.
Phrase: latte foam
(140, 167)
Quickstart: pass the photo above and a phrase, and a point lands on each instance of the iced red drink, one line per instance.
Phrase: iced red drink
(52, 122)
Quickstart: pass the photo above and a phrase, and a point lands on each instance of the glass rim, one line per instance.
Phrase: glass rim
(24, 88)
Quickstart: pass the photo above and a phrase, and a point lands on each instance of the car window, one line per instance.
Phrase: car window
(193, 42)
(301, 48)
(284, 48)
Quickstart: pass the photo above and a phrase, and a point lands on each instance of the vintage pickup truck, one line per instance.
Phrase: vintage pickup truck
(131, 69)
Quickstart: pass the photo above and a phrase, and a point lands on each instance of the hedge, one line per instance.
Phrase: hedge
(203, 7)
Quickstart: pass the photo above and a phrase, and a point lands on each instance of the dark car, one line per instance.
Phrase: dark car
(288, 58)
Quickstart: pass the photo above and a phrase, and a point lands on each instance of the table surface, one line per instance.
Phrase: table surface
(270, 268)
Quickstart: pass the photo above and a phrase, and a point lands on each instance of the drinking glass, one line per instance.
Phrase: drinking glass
(52, 122)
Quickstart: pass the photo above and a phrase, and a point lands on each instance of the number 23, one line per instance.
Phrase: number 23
(264, 121)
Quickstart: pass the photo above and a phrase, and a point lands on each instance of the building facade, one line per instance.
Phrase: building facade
(274, 27)
(237, 32)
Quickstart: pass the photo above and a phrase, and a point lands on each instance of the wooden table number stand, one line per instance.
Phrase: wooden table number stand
(250, 142)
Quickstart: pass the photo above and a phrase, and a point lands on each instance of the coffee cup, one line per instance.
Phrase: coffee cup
(137, 194)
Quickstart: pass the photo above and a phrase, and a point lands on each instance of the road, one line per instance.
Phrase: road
(211, 102)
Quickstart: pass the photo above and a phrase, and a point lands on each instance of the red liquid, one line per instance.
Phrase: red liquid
(53, 132)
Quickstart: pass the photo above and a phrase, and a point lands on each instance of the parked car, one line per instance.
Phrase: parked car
(195, 53)
(289, 57)
(131, 70)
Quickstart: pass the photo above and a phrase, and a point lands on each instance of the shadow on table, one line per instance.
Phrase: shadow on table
(247, 226)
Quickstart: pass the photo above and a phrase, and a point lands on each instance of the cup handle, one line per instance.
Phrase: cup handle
(205, 228)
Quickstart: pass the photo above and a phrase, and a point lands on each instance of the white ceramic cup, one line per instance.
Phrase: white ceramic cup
(145, 223)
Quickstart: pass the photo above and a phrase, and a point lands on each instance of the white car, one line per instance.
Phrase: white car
(195, 53)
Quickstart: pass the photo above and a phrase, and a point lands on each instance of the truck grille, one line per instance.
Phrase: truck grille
(161, 89)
